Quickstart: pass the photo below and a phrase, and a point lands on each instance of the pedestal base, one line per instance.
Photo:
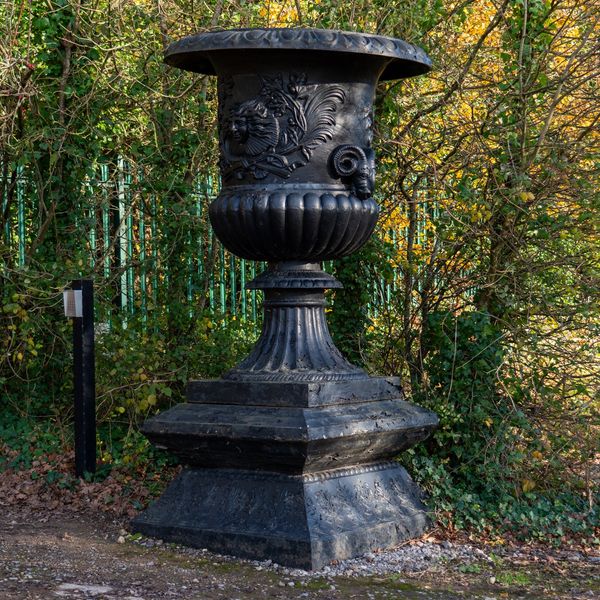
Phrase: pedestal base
(302, 521)
(299, 473)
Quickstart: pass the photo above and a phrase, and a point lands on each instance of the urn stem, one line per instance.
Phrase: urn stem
(295, 343)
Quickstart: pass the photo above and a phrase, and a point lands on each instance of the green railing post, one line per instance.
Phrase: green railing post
(253, 292)
(92, 219)
(5, 210)
(222, 279)
(211, 274)
(129, 233)
(233, 284)
(122, 235)
(154, 264)
(143, 286)
(21, 216)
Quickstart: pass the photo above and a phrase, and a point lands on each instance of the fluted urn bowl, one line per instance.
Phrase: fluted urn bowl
(295, 134)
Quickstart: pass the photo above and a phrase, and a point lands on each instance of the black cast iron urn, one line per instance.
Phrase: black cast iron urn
(289, 456)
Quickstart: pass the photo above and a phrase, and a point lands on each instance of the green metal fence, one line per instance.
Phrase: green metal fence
(133, 229)
(121, 227)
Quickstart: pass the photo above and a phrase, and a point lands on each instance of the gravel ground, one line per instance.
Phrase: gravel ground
(415, 557)
(89, 555)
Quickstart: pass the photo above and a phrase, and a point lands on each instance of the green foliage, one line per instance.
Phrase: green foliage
(140, 372)
(538, 516)
(476, 422)
(34, 346)
(360, 274)
(123, 448)
(29, 440)
(475, 465)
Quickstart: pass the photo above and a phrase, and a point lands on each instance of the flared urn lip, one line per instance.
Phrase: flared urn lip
(193, 52)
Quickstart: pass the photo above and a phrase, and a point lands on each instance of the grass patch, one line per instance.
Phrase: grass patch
(513, 578)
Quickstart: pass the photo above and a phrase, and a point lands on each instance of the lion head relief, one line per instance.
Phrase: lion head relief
(253, 128)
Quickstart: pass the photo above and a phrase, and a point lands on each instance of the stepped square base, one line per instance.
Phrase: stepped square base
(302, 521)
(299, 473)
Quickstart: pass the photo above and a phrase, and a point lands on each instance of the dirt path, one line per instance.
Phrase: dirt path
(54, 555)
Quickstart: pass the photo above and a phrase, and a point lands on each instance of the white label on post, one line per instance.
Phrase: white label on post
(73, 302)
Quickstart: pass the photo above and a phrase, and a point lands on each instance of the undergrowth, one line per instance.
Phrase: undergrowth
(488, 467)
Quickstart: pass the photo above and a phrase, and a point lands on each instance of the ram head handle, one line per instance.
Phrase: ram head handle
(357, 166)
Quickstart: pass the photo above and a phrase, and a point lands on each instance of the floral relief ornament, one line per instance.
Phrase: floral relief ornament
(275, 132)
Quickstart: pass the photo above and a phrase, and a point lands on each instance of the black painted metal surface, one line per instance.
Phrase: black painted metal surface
(298, 173)
(288, 452)
(302, 521)
(84, 381)
(273, 426)
(194, 52)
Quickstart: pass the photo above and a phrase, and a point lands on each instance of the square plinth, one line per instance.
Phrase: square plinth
(302, 521)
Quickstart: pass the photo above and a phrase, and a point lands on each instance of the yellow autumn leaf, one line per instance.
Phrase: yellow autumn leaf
(527, 485)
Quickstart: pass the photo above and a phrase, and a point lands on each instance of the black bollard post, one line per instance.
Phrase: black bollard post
(84, 380)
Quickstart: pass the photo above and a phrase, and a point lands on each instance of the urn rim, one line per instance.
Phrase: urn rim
(192, 53)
